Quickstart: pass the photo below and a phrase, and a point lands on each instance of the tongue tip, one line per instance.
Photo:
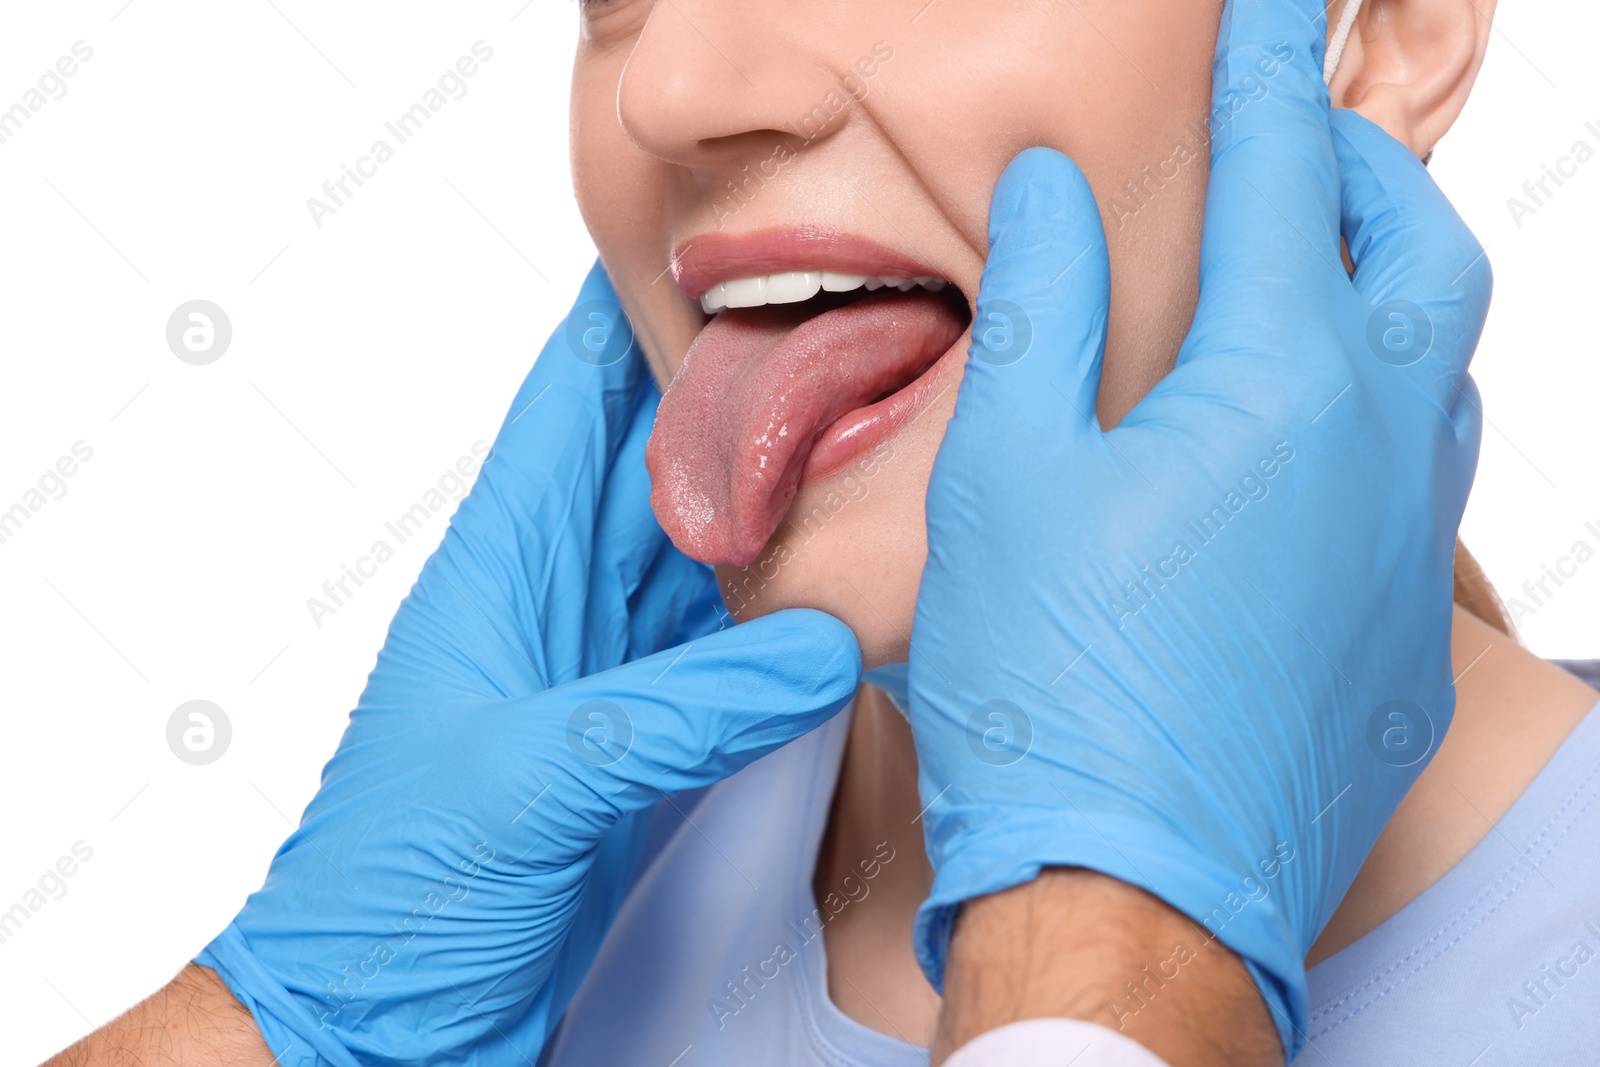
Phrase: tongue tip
(712, 548)
(700, 529)
(723, 543)
(712, 522)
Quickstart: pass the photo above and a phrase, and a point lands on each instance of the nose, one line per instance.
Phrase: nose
(710, 82)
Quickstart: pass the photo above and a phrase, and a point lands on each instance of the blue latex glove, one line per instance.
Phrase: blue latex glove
(1206, 652)
(450, 883)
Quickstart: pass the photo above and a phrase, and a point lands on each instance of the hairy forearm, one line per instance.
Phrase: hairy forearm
(193, 1020)
(1080, 945)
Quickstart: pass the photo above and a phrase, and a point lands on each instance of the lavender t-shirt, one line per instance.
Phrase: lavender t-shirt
(716, 958)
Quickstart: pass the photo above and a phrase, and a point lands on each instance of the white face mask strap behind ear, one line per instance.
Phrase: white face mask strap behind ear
(1341, 33)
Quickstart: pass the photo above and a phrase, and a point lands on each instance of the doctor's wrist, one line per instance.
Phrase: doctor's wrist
(192, 1020)
(1078, 944)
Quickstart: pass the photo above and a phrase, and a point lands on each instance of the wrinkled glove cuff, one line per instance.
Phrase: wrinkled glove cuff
(1168, 868)
(291, 1030)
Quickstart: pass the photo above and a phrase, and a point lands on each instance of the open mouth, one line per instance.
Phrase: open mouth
(796, 373)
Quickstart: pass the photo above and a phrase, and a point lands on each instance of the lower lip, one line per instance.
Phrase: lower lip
(864, 429)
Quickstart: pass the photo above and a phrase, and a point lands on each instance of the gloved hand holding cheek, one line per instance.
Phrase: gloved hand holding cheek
(1169, 652)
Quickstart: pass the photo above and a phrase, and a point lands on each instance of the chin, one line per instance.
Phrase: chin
(852, 548)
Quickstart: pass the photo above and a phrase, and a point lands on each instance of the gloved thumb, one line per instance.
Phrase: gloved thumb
(1040, 328)
(693, 715)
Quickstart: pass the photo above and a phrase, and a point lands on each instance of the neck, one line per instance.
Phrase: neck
(872, 975)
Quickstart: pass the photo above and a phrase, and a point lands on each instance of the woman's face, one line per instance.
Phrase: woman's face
(719, 141)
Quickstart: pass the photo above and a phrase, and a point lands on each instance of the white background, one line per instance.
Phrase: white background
(370, 354)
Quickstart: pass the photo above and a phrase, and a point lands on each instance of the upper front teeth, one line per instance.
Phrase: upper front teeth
(793, 286)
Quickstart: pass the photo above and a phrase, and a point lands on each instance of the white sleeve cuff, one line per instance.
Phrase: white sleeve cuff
(1052, 1042)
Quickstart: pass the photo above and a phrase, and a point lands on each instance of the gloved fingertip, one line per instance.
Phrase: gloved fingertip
(597, 285)
(1039, 327)
(817, 637)
(1039, 191)
(1466, 414)
(594, 346)
(1354, 133)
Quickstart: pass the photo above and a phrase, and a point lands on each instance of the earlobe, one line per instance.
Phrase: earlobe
(1409, 65)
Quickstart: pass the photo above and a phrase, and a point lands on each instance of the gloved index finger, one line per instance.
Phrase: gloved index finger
(564, 430)
(1272, 206)
(1418, 265)
(1039, 332)
(504, 602)
(592, 354)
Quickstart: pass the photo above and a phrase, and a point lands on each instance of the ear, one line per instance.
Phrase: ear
(1408, 65)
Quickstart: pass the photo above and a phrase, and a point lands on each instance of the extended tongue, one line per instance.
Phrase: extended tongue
(758, 386)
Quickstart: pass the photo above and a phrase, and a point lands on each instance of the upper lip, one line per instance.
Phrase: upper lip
(701, 262)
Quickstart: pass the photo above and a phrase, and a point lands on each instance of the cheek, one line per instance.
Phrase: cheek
(1144, 149)
(617, 187)
(597, 148)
